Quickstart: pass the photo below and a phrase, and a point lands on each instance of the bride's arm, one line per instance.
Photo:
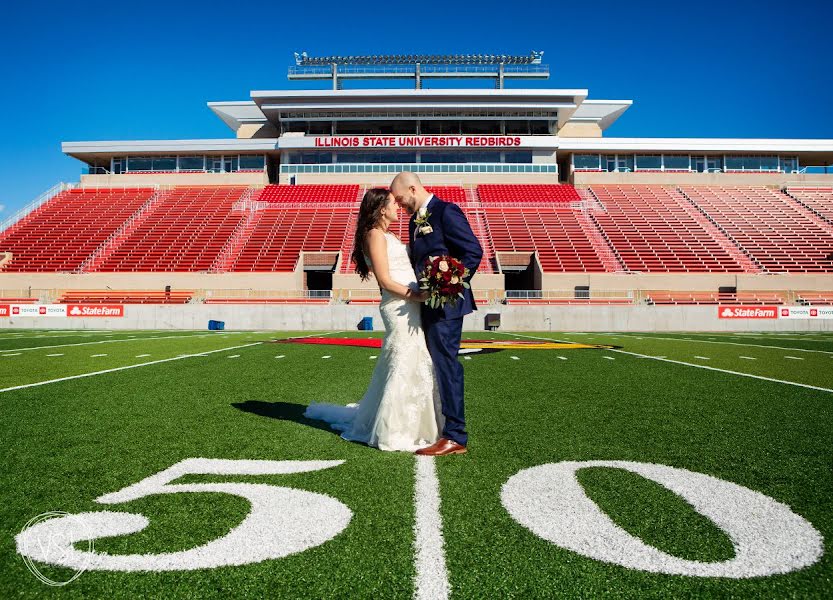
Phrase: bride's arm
(377, 249)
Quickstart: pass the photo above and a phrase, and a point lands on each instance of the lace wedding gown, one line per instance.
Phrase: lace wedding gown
(401, 409)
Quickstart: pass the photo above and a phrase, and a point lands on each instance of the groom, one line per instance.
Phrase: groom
(447, 233)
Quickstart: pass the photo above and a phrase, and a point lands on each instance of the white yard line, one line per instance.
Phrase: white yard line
(15, 354)
(112, 342)
(431, 581)
(700, 357)
(153, 362)
(794, 358)
(608, 357)
(679, 362)
(747, 357)
(735, 344)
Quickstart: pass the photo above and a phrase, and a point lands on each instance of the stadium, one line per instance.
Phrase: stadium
(568, 218)
(648, 373)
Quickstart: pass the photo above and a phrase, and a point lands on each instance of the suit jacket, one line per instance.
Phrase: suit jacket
(452, 236)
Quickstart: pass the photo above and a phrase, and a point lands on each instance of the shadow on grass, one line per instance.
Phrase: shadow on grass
(283, 411)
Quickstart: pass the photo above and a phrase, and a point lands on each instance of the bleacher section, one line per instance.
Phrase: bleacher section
(309, 194)
(659, 297)
(815, 298)
(279, 234)
(817, 199)
(777, 232)
(125, 297)
(526, 194)
(571, 301)
(185, 231)
(222, 300)
(60, 234)
(651, 230)
(553, 231)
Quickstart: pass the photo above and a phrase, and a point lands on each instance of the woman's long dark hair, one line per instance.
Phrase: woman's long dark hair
(370, 212)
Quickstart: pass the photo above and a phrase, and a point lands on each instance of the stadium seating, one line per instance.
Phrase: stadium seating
(526, 193)
(449, 193)
(221, 300)
(306, 194)
(125, 297)
(278, 236)
(185, 231)
(570, 301)
(815, 298)
(652, 230)
(66, 230)
(18, 300)
(553, 231)
(777, 232)
(661, 297)
(817, 199)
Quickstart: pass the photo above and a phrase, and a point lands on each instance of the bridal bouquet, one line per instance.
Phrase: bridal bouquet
(442, 278)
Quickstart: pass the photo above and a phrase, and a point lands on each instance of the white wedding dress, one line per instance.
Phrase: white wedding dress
(401, 409)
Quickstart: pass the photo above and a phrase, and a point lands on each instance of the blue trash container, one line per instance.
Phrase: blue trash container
(366, 324)
(216, 325)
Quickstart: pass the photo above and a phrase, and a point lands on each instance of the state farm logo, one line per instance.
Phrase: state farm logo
(4, 310)
(95, 310)
(747, 312)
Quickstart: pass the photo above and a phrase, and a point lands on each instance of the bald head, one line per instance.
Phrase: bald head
(408, 191)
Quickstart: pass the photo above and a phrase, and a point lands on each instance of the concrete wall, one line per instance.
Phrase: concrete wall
(344, 317)
(718, 179)
(580, 130)
(257, 130)
(686, 282)
(48, 285)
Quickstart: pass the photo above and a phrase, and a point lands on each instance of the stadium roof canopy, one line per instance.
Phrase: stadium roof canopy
(565, 104)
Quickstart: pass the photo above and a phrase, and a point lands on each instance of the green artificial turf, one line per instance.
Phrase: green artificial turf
(68, 442)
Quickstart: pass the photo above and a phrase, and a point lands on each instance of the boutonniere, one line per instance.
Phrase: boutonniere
(422, 225)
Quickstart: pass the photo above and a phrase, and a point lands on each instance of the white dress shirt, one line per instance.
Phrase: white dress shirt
(424, 207)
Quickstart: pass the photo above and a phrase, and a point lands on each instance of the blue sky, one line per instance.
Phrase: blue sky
(144, 70)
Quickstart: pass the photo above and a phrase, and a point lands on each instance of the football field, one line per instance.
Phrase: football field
(607, 465)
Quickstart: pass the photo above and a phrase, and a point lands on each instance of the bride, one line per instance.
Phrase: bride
(401, 409)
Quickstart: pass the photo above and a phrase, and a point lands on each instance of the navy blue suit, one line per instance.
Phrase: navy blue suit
(452, 236)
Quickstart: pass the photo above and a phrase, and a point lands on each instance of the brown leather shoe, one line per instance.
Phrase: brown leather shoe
(442, 447)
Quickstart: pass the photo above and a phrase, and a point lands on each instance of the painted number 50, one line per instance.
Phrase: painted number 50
(281, 521)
